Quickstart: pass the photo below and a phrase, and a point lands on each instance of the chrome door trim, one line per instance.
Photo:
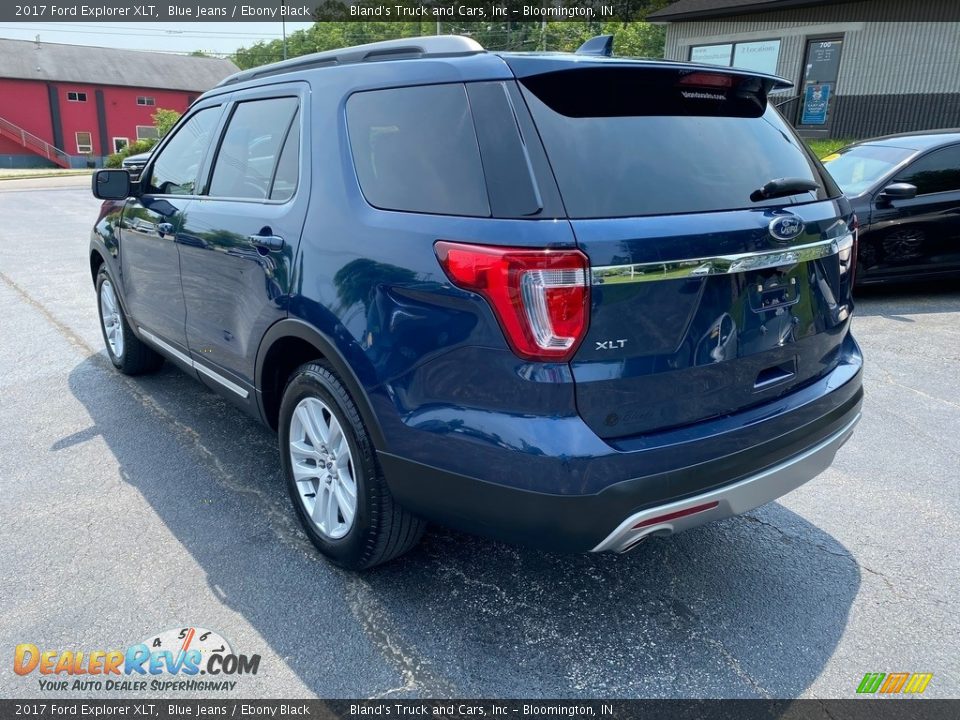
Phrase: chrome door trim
(718, 264)
(216, 377)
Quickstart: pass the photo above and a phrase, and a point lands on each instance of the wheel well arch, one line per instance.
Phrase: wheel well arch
(96, 262)
(287, 345)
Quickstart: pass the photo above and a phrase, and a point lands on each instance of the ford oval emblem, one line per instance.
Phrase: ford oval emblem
(786, 227)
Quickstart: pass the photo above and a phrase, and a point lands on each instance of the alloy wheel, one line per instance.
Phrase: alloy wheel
(323, 468)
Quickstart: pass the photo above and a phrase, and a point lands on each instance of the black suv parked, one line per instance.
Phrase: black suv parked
(566, 300)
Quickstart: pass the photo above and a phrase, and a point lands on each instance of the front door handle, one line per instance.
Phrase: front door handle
(164, 228)
(268, 242)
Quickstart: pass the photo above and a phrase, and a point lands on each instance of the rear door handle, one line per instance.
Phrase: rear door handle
(268, 242)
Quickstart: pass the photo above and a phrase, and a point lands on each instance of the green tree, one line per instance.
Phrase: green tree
(164, 120)
(634, 39)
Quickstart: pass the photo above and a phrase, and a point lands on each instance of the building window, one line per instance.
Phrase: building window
(84, 143)
(76, 96)
(143, 100)
(146, 132)
(760, 56)
(119, 143)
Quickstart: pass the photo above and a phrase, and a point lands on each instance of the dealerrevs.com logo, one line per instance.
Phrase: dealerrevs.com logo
(172, 660)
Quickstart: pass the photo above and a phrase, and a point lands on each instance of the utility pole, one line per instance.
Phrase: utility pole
(283, 26)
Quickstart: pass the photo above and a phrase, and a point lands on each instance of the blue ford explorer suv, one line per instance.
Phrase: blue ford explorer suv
(566, 300)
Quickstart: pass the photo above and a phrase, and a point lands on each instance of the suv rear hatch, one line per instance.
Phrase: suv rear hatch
(720, 250)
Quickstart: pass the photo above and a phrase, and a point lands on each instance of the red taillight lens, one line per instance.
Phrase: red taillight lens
(541, 297)
(855, 230)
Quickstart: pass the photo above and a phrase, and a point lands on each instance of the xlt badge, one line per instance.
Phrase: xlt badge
(610, 344)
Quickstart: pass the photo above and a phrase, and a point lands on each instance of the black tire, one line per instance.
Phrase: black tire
(381, 530)
(136, 358)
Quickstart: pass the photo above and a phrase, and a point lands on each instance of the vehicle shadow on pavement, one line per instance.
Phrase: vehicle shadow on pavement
(895, 301)
(752, 606)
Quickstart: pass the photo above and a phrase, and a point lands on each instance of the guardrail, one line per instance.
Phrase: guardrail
(33, 143)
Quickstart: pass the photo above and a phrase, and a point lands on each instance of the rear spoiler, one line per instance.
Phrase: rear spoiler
(526, 65)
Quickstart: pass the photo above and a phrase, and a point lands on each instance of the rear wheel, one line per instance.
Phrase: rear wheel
(127, 353)
(335, 483)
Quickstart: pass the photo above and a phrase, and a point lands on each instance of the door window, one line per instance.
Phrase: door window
(177, 166)
(288, 168)
(936, 172)
(247, 158)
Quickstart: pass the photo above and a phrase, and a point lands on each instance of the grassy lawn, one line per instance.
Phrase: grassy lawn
(822, 148)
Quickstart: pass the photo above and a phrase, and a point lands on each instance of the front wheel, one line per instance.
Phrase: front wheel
(127, 353)
(335, 483)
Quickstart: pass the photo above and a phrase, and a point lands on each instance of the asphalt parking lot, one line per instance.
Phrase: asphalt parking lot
(132, 506)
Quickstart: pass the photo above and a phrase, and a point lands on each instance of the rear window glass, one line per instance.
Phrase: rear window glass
(415, 149)
(628, 142)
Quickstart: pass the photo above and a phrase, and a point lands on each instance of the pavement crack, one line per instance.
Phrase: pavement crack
(372, 617)
(700, 632)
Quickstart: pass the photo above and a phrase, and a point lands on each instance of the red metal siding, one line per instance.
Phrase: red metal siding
(25, 103)
(78, 117)
(123, 113)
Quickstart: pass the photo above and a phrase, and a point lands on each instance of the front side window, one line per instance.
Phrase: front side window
(248, 155)
(936, 172)
(176, 168)
(415, 149)
(84, 143)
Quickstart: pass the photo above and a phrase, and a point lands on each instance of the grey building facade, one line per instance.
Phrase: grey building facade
(860, 69)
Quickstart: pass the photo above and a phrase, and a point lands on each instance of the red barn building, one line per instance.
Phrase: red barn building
(71, 105)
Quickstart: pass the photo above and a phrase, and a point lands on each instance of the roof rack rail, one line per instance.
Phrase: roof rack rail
(399, 49)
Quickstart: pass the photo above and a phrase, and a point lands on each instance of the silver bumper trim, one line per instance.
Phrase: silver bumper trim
(732, 499)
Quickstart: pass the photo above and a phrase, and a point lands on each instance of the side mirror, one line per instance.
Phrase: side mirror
(111, 184)
(898, 191)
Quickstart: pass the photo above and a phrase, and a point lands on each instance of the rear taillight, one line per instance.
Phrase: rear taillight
(851, 258)
(540, 297)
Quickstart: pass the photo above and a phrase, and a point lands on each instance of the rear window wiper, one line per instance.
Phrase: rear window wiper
(783, 186)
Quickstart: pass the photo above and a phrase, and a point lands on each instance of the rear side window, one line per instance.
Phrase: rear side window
(288, 168)
(415, 149)
(626, 142)
(251, 146)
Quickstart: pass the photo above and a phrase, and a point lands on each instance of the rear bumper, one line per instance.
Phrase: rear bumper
(736, 463)
(729, 500)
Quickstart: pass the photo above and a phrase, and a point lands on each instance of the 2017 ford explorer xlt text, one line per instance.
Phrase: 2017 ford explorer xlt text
(560, 299)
